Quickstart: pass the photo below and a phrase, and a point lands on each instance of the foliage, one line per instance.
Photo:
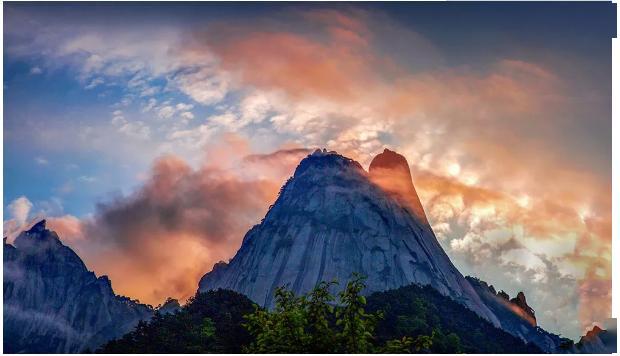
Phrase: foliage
(311, 323)
(419, 311)
(410, 319)
(209, 322)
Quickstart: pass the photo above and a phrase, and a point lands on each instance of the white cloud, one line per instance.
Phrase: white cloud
(135, 129)
(192, 138)
(20, 209)
(149, 105)
(86, 179)
(184, 107)
(523, 257)
(166, 112)
(94, 83)
(41, 161)
(254, 107)
(149, 91)
(206, 86)
(36, 70)
(188, 115)
(228, 121)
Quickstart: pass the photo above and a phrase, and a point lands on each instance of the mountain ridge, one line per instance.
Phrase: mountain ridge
(53, 304)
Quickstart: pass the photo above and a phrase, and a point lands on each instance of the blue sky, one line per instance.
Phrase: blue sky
(502, 110)
(470, 34)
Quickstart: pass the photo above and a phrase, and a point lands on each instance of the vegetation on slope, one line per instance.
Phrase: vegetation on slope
(422, 310)
(408, 319)
(210, 322)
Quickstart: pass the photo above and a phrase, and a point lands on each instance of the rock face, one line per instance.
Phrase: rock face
(331, 219)
(516, 316)
(53, 304)
(598, 340)
(390, 171)
(520, 302)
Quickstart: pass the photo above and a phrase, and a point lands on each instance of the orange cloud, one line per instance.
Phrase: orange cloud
(68, 227)
(158, 241)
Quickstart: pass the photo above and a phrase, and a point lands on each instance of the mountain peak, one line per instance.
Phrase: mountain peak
(333, 219)
(593, 332)
(38, 237)
(390, 171)
(520, 301)
(38, 227)
(53, 304)
(389, 159)
(323, 161)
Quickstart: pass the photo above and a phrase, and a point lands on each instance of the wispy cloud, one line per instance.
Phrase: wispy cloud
(506, 168)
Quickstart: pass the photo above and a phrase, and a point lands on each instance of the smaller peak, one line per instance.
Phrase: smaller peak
(521, 302)
(594, 331)
(105, 280)
(389, 159)
(38, 227)
(171, 305)
(38, 234)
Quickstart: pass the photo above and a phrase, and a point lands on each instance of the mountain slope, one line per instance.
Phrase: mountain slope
(411, 311)
(182, 330)
(516, 316)
(53, 304)
(414, 310)
(597, 340)
(331, 219)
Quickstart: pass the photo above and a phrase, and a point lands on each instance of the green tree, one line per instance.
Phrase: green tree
(357, 326)
(311, 323)
(320, 311)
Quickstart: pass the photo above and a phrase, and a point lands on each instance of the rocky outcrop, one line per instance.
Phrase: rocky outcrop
(170, 306)
(598, 340)
(53, 304)
(390, 171)
(516, 316)
(332, 219)
(517, 304)
(520, 302)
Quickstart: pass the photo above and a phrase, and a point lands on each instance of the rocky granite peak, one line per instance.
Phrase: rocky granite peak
(598, 340)
(53, 304)
(520, 301)
(516, 316)
(331, 220)
(37, 228)
(390, 170)
(593, 332)
(389, 159)
(517, 304)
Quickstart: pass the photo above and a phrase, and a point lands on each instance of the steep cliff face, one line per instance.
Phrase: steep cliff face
(53, 304)
(331, 219)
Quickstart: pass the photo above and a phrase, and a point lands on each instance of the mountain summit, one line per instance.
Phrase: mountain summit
(390, 171)
(53, 304)
(331, 219)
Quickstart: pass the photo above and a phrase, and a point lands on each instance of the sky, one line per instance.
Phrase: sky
(153, 136)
